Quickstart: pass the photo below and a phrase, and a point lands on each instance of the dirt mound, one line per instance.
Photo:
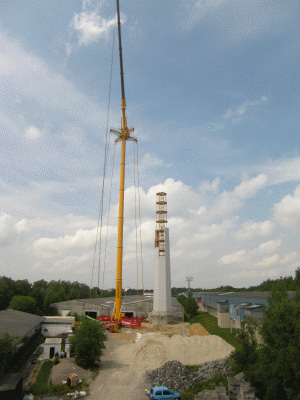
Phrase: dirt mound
(153, 350)
(67, 366)
(198, 329)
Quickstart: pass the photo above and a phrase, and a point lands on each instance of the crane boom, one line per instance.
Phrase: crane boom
(123, 136)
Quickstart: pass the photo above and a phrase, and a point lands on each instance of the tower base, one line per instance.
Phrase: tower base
(161, 317)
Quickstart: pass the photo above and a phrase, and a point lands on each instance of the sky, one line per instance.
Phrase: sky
(212, 90)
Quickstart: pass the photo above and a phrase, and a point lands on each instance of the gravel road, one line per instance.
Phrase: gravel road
(116, 380)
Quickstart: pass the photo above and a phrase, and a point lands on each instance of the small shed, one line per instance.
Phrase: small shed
(51, 347)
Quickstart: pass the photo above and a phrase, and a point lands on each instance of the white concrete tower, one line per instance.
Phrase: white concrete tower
(162, 301)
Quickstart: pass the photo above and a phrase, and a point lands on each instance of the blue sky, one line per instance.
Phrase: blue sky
(212, 89)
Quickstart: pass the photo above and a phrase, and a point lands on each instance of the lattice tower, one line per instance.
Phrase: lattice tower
(161, 222)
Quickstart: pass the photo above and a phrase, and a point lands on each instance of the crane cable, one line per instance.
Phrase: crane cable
(108, 215)
(136, 230)
(137, 185)
(140, 220)
(107, 141)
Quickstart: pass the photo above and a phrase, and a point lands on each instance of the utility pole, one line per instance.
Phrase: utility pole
(189, 280)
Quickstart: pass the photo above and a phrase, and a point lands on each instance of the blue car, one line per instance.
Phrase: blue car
(163, 393)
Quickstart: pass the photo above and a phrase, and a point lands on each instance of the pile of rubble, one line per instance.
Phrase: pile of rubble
(212, 368)
(176, 376)
(218, 394)
(239, 389)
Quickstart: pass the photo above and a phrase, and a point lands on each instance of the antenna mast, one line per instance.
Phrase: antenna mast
(122, 136)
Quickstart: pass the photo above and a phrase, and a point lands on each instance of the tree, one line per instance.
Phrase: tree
(245, 355)
(181, 299)
(22, 287)
(274, 367)
(191, 306)
(7, 348)
(23, 303)
(88, 342)
(6, 291)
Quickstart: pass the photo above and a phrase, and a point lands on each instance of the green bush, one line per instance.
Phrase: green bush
(87, 343)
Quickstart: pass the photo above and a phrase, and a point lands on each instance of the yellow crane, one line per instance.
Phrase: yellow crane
(122, 136)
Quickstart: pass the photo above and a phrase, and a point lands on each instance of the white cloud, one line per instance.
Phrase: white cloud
(229, 201)
(90, 27)
(11, 228)
(32, 132)
(22, 226)
(81, 239)
(268, 247)
(233, 258)
(281, 170)
(268, 261)
(238, 20)
(31, 80)
(287, 259)
(150, 161)
(251, 229)
(213, 186)
(287, 211)
(7, 66)
(238, 112)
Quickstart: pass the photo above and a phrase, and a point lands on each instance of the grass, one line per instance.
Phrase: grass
(210, 384)
(41, 384)
(210, 323)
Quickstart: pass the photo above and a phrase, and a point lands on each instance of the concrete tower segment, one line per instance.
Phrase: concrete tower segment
(162, 302)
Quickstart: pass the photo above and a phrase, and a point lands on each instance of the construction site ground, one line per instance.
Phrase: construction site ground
(127, 380)
(124, 378)
(131, 352)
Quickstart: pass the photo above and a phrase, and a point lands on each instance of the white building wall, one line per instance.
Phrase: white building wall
(54, 330)
(56, 346)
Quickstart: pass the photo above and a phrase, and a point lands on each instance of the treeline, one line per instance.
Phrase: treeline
(287, 283)
(36, 298)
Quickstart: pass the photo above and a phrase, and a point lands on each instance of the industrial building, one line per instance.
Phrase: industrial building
(131, 305)
(232, 308)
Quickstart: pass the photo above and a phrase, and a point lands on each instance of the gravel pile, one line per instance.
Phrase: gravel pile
(217, 367)
(176, 376)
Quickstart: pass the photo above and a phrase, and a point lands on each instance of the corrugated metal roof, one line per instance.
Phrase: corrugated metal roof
(110, 301)
(17, 323)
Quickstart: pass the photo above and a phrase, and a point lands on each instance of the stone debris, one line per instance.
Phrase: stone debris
(176, 376)
(217, 394)
(212, 368)
(239, 389)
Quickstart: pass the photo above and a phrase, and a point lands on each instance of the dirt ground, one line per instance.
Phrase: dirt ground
(119, 378)
(126, 381)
